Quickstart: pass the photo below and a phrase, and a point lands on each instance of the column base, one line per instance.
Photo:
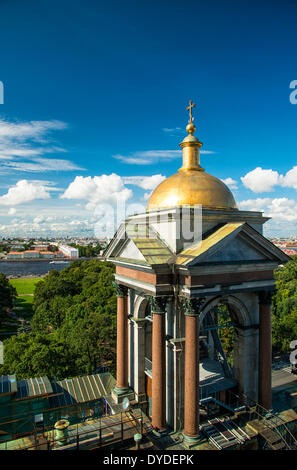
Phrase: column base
(160, 432)
(118, 394)
(191, 441)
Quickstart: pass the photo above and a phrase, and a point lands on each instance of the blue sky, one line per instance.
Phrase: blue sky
(96, 88)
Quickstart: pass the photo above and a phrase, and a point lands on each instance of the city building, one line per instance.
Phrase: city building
(69, 251)
(32, 254)
(14, 255)
(40, 247)
(47, 254)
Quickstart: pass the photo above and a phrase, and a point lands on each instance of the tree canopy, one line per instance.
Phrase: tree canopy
(7, 293)
(73, 326)
(284, 307)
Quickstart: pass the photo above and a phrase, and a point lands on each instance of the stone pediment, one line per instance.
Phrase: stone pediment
(130, 251)
(140, 244)
(234, 242)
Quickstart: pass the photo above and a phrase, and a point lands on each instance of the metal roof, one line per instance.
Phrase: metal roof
(81, 389)
(154, 250)
(8, 384)
(28, 388)
(204, 246)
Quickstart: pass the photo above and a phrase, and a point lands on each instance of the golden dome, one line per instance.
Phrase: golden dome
(191, 185)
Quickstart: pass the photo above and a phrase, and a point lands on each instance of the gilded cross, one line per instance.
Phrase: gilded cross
(189, 108)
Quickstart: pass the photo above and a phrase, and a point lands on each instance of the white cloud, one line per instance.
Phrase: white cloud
(151, 182)
(98, 190)
(12, 211)
(283, 209)
(231, 183)
(19, 152)
(146, 196)
(260, 181)
(148, 157)
(35, 130)
(290, 178)
(173, 131)
(279, 209)
(258, 204)
(41, 165)
(144, 182)
(24, 191)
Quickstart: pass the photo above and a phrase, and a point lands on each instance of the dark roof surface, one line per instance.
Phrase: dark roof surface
(8, 384)
(28, 388)
(81, 389)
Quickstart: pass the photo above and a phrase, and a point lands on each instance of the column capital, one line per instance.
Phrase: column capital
(158, 304)
(192, 307)
(265, 297)
(122, 291)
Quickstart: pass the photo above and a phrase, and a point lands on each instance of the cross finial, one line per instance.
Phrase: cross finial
(189, 108)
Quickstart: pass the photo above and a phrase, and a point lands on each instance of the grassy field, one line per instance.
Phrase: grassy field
(22, 305)
(25, 289)
(25, 286)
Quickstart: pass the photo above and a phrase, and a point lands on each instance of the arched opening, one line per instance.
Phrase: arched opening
(148, 358)
(143, 351)
(223, 348)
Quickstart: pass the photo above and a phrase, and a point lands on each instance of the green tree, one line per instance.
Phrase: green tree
(284, 307)
(73, 326)
(226, 335)
(7, 294)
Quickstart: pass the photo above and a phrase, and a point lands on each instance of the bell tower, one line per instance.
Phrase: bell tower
(171, 290)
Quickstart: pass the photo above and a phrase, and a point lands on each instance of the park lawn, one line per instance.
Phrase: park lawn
(25, 286)
(24, 300)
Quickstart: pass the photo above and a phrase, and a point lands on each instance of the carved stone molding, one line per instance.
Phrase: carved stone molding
(122, 291)
(192, 307)
(158, 304)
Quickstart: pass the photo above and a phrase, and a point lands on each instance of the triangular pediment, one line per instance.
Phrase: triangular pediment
(234, 242)
(139, 243)
(130, 251)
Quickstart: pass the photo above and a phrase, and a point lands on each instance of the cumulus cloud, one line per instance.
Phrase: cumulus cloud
(24, 191)
(231, 183)
(260, 181)
(12, 211)
(258, 204)
(290, 178)
(280, 209)
(98, 190)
